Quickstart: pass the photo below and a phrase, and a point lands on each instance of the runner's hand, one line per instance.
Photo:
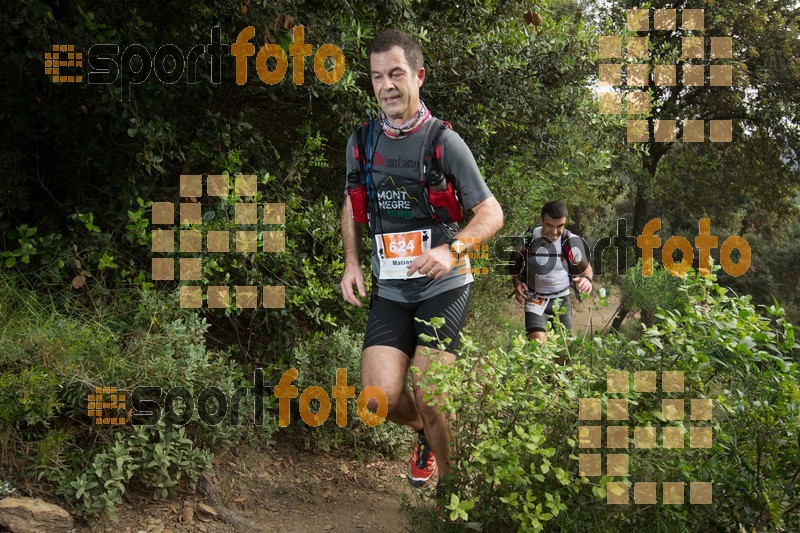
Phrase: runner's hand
(583, 284)
(353, 276)
(435, 263)
(521, 292)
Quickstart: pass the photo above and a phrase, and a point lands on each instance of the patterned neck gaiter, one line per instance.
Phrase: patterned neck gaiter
(396, 131)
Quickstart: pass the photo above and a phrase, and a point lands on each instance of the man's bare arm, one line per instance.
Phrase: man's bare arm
(351, 241)
(484, 225)
(583, 281)
(351, 235)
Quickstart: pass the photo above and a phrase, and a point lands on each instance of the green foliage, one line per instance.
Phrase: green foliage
(489, 311)
(158, 457)
(510, 423)
(55, 354)
(52, 454)
(27, 398)
(721, 179)
(775, 244)
(83, 164)
(24, 237)
(648, 294)
(515, 437)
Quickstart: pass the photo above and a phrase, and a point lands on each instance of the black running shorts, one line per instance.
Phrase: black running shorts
(393, 323)
(534, 322)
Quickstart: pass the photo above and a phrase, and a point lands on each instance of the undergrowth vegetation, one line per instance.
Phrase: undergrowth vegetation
(57, 352)
(516, 435)
(515, 410)
(84, 164)
(55, 356)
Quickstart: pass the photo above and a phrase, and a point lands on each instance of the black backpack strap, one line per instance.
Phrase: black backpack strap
(360, 154)
(566, 256)
(566, 247)
(361, 149)
(431, 157)
(527, 240)
(527, 243)
(566, 252)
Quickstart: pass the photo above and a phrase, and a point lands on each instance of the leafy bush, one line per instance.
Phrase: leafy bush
(506, 469)
(648, 294)
(54, 355)
(516, 433)
(27, 398)
(159, 458)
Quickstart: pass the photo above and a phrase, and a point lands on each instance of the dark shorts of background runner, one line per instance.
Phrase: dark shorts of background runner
(392, 323)
(534, 322)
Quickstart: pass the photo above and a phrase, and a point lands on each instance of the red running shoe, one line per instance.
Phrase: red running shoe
(422, 465)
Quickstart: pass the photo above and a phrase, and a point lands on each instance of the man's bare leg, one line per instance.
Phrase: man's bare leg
(386, 368)
(437, 427)
(541, 338)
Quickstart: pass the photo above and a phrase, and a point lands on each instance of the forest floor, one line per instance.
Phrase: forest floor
(287, 488)
(282, 489)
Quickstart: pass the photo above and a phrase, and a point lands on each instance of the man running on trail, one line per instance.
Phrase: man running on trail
(395, 179)
(551, 259)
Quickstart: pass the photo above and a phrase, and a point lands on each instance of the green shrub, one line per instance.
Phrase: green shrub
(27, 398)
(648, 294)
(516, 433)
(506, 469)
(159, 458)
(54, 356)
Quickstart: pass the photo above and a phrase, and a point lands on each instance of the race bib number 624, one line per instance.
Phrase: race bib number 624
(398, 250)
(402, 244)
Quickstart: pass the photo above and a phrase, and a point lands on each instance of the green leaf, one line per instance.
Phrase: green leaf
(437, 322)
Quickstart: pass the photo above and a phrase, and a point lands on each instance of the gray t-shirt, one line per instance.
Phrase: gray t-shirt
(546, 266)
(398, 193)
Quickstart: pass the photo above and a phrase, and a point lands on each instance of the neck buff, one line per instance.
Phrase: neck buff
(397, 131)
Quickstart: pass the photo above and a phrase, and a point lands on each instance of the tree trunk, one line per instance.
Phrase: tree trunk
(639, 214)
(619, 317)
(640, 207)
(644, 187)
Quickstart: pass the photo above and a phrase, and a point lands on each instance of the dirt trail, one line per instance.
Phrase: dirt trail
(284, 489)
(600, 317)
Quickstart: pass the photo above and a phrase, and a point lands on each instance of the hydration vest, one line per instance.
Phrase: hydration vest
(440, 205)
(565, 255)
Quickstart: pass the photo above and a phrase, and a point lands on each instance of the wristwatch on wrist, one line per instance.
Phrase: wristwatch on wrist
(458, 247)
